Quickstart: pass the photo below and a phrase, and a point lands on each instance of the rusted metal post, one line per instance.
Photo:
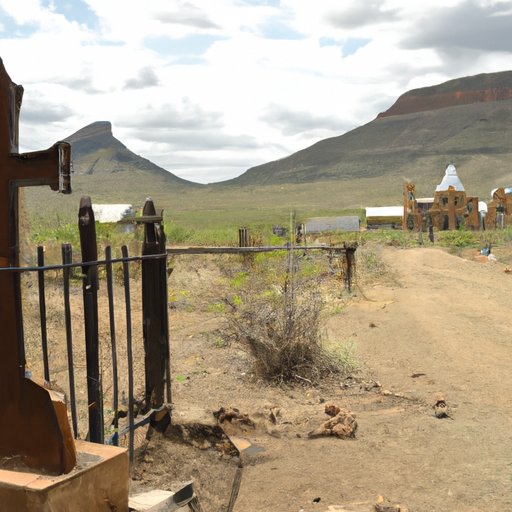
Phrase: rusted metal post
(67, 258)
(42, 313)
(113, 344)
(154, 310)
(87, 229)
(350, 259)
(36, 427)
(129, 353)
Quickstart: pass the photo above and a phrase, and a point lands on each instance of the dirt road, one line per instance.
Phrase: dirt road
(434, 323)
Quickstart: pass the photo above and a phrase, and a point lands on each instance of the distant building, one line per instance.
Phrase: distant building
(332, 224)
(389, 217)
(111, 212)
(450, 208)
(499, 212)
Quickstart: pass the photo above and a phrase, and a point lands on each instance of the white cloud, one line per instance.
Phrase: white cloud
(209, 89)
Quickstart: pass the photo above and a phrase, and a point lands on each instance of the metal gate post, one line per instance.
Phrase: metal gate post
(87, 228)
(154, 308)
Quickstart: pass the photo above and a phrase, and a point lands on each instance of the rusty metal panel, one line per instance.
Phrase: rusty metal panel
(36, 427)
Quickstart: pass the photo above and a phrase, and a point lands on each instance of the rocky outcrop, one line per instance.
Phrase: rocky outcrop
(95, 150)
(99, 128)
(477, 89)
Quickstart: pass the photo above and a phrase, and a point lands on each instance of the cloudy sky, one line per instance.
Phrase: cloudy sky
(209, 88)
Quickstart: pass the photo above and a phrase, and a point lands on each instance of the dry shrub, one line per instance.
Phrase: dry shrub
(282, 331)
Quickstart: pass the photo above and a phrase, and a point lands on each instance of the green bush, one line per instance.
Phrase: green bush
(457, 239)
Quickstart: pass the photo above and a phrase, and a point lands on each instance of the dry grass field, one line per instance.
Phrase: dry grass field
(419, 322)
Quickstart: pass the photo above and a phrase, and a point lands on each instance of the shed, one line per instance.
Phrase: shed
(329, 224)
(384, 217)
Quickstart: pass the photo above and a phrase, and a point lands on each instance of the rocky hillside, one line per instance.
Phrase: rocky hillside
(95, 151)
(467, 121)
(462, 91)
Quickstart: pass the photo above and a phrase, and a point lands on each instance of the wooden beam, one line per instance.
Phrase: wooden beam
(245, 250)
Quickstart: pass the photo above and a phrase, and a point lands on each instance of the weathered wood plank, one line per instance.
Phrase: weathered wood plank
(242, 250)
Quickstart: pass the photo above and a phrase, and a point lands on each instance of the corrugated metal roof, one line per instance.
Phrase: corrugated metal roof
(384, 211)
(326, 224)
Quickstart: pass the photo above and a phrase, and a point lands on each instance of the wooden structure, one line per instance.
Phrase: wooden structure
(34, 424)
(499, 210)
(384, 217)
(450, 208)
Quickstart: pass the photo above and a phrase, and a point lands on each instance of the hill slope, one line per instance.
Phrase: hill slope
(96, 151)
(461, 91)
(464, 121)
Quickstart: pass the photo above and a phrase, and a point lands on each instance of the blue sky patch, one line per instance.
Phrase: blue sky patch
(188, 60)
(190, 46)
(275, 29)
(73, 10)
(328, 41)
(350, 46)
(10, 28)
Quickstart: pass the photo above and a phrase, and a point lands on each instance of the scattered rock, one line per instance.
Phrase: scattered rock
(197, 427)
(440, 406)
(233, 415)
(384, 505)
(274, 415)
(342, 423)
(372, 385)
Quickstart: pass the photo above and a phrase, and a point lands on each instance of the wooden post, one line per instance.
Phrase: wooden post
(87, 229)
(155, 310)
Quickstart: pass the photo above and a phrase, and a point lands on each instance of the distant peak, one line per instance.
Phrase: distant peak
(92, 130)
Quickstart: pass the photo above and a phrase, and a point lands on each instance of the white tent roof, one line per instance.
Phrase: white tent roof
(384, 211)
(450, 179)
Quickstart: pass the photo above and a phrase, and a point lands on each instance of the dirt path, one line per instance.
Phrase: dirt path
(435, 323)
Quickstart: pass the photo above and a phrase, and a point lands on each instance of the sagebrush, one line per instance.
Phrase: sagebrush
(280, 325)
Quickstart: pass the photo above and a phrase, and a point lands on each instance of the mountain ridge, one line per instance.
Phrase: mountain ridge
(414, 143)
(469, 123)
(482, 88)
(95, 150)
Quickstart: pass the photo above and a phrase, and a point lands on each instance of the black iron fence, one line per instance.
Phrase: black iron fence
(120, 378)
(125, 386)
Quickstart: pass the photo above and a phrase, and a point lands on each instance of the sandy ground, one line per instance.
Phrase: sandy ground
(426, 323)
(431, 323)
